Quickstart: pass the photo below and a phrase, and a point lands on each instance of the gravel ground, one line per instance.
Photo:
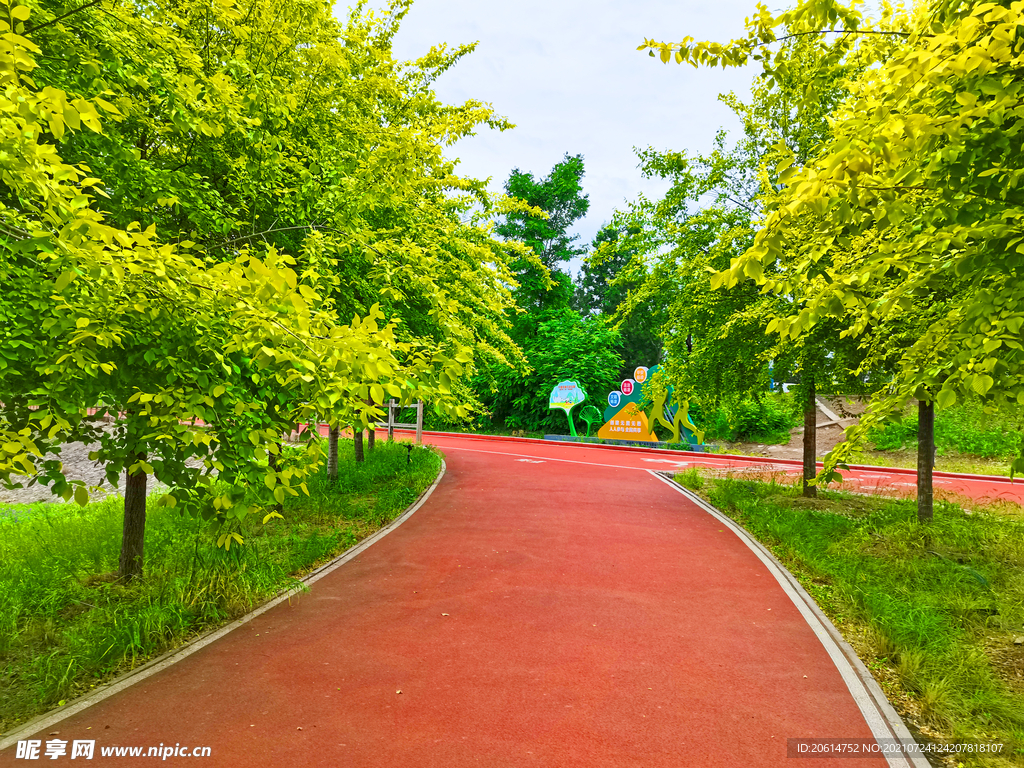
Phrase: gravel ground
(77, 466)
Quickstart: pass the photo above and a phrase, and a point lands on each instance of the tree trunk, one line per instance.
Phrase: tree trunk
(274, 463)
(357, 435)
(371, 432)
(133, 537)
(925, 459)
(810, 441)
(332, 455)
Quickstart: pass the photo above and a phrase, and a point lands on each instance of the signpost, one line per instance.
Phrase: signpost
(624, 421)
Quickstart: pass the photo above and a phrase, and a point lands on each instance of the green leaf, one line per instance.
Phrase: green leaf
(946, 398)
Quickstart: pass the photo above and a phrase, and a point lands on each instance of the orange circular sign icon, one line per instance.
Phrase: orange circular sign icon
(640, 375)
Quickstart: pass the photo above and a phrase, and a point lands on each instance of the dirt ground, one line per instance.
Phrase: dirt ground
(829, 434)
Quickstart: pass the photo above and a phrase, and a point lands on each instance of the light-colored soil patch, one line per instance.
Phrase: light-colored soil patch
(77, 466)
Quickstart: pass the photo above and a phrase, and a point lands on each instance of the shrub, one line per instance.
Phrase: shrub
(767, 419)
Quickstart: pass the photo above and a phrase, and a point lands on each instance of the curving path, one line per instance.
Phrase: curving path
(548, 605)
(892, 481)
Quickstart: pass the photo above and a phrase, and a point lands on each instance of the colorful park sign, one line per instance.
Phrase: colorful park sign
(565, 396)
(625, 421)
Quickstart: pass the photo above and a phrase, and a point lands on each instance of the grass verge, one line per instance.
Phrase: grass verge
(933, 610)
(948, 461)
(66, 626)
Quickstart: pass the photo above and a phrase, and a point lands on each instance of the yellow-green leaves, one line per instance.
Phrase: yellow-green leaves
(914, 202)
(191, 226)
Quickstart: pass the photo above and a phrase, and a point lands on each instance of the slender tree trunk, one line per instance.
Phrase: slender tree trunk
(332, 455)
(371, 432)
(810, 441)
(274, 463)
(925, 459)
(357, 435)
(133, 536)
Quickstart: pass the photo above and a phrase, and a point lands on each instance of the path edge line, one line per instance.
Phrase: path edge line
(151, 667)
(883, 720)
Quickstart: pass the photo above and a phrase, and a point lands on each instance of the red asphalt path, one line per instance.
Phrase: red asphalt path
(883, 480)
(548, 605)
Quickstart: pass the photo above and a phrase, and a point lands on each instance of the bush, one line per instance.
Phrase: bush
(767, 419)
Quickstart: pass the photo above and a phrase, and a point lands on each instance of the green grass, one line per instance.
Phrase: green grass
(947, 461)
(67, 626)
(967, 440)
(932, 609)
(963, 429)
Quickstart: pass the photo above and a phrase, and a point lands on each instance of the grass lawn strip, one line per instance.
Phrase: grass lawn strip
(932, 610)
(66, 627)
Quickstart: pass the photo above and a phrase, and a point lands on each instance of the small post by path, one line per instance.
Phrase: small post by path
(392, 422)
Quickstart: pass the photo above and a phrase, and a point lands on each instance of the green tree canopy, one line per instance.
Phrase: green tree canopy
(922, 167)
(556, 202)
(565, 346)
(221, 131)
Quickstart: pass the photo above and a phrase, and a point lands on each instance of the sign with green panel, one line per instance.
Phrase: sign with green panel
(565, 396)
(625, 421)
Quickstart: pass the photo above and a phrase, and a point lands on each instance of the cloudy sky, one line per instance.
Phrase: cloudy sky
(568, 74)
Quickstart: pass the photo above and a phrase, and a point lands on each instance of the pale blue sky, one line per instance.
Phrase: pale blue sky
(568, 74)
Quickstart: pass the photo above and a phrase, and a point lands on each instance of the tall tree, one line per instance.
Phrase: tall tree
(786, 119)
(601, 290)
(921, 155)
(556, 203)
(169, 334)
